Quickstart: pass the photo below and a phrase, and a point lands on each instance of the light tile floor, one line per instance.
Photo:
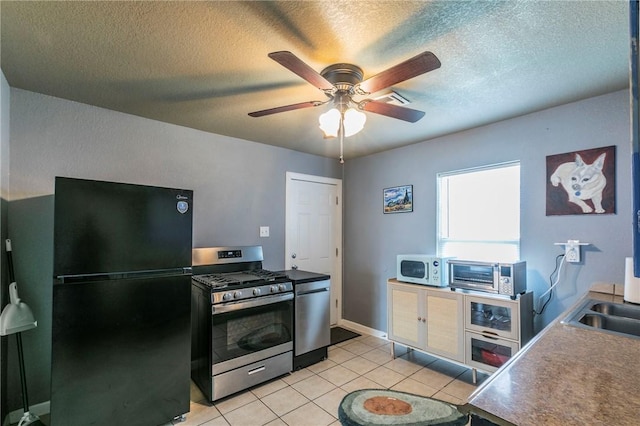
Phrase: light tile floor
(310, 396)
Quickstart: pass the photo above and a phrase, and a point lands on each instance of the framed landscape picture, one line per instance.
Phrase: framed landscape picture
(398, 199)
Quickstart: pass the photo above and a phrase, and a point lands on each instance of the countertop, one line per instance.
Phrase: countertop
(297, 276)
(566, 376)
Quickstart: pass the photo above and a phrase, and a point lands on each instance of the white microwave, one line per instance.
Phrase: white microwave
(423, 269)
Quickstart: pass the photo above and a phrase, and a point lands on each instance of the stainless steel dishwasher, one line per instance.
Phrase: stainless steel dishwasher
(312, 317)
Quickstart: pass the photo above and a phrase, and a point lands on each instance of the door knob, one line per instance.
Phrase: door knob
(294, 267)
(293, 256)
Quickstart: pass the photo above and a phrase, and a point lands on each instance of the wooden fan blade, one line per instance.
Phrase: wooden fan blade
(295, 65)
(390, 110)
(285, 108)
(420, 64)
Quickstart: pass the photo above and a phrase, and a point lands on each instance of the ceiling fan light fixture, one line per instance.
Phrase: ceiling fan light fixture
(330, 123)
(353, 121)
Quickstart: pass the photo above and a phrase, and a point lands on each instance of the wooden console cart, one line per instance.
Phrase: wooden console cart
(478, 330)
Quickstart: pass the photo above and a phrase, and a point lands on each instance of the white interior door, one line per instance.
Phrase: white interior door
(313, 240)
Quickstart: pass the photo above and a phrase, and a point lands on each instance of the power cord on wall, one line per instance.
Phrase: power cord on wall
(551, 283)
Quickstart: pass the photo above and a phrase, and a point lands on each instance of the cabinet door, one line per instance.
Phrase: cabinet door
(445, 325)
(405, 322)
(492, 316)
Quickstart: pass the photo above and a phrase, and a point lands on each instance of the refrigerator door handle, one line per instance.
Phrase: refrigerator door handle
(62, 279)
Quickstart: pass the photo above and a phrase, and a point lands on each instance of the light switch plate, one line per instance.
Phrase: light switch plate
(264, 231)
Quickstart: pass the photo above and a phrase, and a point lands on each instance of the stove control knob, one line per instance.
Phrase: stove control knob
(273, 289)
(227, 296)
(237, 294)
(256, 292)
(282, 287)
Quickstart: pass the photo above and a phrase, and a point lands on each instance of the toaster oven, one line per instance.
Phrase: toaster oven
(500, 278)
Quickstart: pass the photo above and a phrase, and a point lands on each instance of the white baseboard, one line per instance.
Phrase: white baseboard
(362, 329)
(37, 409)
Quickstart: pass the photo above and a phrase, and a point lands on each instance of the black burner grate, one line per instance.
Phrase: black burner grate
(254, 276)
(267, 275)
(216, 280)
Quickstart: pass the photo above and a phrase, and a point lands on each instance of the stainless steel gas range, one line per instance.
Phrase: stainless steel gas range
(241, 320)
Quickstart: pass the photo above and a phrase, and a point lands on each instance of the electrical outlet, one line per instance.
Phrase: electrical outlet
(572, 251)
(264, 231)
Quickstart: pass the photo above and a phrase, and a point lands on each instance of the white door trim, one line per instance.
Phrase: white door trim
(336, 279)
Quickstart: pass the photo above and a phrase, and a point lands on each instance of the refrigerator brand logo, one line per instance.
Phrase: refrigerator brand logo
(181, 197)
(182, 206)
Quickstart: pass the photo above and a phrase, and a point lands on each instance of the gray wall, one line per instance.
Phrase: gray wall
(4, 196)
(372, 239)
(238, 186)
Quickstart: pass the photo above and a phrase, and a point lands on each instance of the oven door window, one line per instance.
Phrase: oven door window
(472, 274)
(245, 331)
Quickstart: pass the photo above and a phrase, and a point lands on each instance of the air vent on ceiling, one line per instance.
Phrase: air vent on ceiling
(393, 98)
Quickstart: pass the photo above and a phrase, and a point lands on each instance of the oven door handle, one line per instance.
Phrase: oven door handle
(253, 303)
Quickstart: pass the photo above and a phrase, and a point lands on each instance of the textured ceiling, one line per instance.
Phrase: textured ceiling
(204, 65)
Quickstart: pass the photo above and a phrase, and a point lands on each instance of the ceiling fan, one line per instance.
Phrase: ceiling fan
(341, 82)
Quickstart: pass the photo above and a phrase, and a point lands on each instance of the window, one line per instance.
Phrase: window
(479, 213)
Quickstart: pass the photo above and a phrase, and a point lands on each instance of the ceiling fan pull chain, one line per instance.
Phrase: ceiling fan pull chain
(341, 131)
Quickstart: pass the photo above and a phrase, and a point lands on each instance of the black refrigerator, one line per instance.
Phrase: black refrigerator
(121, 303)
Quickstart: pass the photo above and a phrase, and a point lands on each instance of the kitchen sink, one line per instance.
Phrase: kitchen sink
(617, 324)
(608, 317)
(617, 310)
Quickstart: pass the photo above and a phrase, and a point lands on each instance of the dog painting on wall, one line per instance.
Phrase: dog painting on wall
(581, 182)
